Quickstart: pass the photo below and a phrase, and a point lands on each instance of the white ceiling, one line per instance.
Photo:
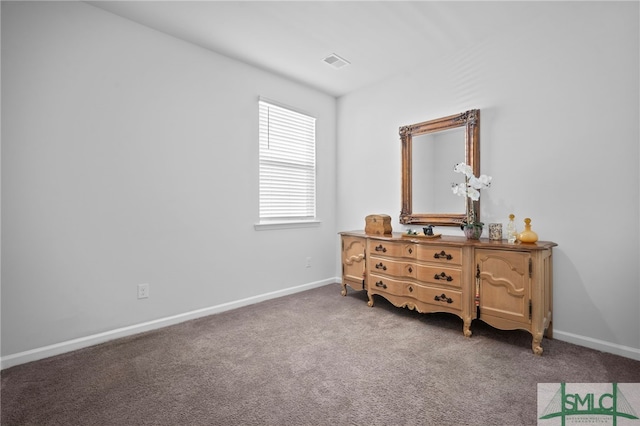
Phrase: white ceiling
(291, 38)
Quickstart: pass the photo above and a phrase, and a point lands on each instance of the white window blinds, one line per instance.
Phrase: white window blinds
(287, 164)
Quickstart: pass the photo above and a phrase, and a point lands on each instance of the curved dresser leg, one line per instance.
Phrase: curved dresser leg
(370, 302)
(344, 289)
(466, 329)
(536, 344)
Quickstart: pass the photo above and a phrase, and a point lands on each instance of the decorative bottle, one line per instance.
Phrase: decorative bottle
(528, 236)
(511, 230)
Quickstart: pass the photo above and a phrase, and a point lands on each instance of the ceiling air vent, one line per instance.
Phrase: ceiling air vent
(336, 61)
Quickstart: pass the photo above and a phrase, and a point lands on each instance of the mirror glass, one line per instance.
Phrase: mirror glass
(430, 150)
(434, 155)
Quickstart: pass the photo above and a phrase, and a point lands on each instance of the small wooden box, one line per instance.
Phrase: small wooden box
(378, 224)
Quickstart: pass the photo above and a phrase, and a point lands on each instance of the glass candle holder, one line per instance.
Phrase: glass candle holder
(495, 231)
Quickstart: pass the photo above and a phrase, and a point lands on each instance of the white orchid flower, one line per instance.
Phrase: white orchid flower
(470, 188)
(459, 189)
(483, 181)
(474, 194)
(463, 168)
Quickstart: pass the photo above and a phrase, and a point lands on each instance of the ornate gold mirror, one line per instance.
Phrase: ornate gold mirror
(430, 150)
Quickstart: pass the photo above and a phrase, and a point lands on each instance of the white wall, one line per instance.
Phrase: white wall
(559, 103)
(130, 157)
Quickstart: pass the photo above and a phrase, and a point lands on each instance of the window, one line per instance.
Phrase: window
(287, 164)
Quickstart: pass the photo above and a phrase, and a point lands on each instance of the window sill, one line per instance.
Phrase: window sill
(265, 226)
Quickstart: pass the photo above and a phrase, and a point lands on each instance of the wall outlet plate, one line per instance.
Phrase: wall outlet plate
(143, 291)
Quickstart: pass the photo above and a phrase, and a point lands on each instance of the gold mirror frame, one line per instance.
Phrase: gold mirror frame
(468, 119)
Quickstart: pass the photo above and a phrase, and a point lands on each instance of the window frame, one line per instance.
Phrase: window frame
(292, 221)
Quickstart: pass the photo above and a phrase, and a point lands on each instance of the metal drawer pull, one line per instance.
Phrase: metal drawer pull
(381, 284)
(381, 248)
(381, 266)
(443, 255)
(410, 269)
(443, 276)
(410, 251)
(443, 298)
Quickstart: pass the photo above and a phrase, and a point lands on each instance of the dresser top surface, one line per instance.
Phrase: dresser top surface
(453, 240)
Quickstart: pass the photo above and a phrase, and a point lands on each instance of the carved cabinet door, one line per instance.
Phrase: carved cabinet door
(503, 288)
(353, 263)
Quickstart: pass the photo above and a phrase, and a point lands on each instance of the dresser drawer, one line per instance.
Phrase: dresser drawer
(440, 254)
(451, 299)
(391, 249)
(379, 265)
(392, 286)
(440, 275)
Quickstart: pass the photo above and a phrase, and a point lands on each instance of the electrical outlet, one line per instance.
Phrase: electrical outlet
(308, 262)
(143, 291)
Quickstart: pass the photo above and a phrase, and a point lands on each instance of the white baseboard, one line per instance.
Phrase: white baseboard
(600, 345)
(83, 342)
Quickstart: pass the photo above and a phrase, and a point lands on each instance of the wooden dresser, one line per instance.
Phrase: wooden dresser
(506, 285)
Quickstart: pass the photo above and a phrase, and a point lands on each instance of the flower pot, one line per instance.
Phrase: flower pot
(473, 231)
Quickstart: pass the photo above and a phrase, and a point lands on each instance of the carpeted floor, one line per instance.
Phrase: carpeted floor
(312, 358)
